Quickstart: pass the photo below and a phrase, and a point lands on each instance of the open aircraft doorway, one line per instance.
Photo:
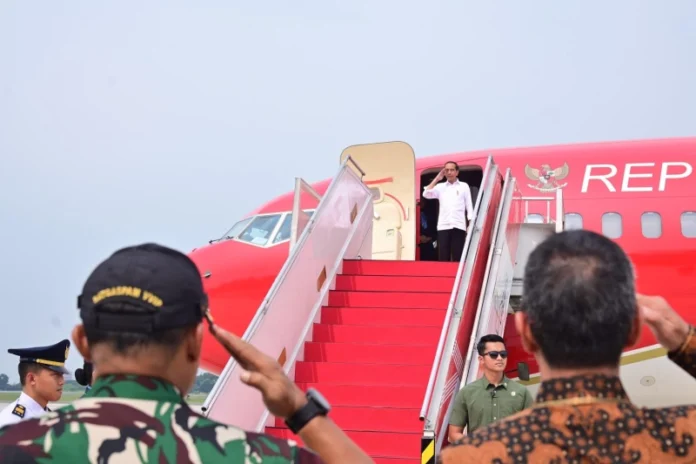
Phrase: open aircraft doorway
(472, 174)
(390, 172)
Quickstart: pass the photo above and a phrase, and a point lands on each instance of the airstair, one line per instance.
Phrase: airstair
(488, 295)
(387, 342)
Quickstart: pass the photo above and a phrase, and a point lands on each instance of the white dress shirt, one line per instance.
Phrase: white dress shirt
(455, 200)
(26, 406)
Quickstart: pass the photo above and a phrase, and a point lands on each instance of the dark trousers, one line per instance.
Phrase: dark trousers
(450, 243)
(427, 252)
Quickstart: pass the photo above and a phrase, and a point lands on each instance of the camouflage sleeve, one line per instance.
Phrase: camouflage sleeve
(265, 447)
(30, 434)
(685, 356)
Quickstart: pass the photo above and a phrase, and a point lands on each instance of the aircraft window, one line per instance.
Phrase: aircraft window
(260, 229)
(534, 218)
(573, 221)
(237, 228)
(285, 230)
(688, 224)
(611, 225)
(651, 223)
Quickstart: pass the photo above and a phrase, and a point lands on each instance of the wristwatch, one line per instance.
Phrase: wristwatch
(316, 406)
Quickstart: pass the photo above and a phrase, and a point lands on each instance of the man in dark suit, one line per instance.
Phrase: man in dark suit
(428, 233)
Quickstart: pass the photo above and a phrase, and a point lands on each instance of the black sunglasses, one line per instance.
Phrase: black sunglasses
(495, 354)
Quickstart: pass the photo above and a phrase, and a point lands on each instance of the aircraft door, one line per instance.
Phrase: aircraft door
(390, 172)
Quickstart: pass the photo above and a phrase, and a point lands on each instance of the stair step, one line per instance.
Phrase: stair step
(401, 300)
(396, 446)
(379, 335)
(399, 268)
(404, 396)
(372, 353)
(369, 354)
(383, 316)
(370, 419)
(361, 374)
(369, 283)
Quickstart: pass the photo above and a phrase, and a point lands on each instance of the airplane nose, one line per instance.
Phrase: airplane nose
(236, 276)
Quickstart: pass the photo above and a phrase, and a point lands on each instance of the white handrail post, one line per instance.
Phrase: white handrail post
(296, 204)
(295, 231)
(559, 211)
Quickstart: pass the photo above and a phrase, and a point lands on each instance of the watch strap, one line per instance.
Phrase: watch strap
(302, 416)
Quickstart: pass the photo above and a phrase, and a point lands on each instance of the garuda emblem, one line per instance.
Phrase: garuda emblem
(547, 178)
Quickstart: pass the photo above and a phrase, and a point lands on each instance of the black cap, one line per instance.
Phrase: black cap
(51, 357)
(161, 288)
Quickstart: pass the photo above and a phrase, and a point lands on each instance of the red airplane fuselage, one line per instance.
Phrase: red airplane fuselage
(640, 193)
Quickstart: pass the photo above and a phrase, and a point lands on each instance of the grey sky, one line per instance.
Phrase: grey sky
(168, 121)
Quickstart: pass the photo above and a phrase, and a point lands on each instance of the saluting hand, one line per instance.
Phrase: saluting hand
(280, 395)
(667, 325)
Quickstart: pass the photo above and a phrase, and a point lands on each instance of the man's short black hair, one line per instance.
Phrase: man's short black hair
(490, 338)
(126, 343)
(456, 166)
(579, 296)
(25, 368)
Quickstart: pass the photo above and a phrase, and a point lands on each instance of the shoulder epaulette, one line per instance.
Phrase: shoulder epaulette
(19, 410)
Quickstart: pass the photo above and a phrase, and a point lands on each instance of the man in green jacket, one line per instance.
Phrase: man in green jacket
(490, 398)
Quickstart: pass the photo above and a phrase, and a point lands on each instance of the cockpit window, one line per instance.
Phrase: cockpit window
(285, 230)
(260, 229)
(237, 229)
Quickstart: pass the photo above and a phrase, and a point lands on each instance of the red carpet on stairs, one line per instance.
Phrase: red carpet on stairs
(372, 353)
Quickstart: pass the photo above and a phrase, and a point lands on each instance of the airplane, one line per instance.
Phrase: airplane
(640, 193)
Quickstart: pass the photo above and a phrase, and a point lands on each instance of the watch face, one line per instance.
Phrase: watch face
(314, 394)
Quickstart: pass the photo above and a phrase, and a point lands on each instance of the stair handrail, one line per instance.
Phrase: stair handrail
(560, 214)
(444, 385)
(295, 232)
(260, 313)
(453, 296)
(356, 165)
(501, 215)
(491, 268)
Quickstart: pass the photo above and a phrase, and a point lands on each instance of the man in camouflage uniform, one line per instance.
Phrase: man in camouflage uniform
(143, 313)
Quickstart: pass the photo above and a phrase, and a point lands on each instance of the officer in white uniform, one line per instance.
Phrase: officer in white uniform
(42, 369)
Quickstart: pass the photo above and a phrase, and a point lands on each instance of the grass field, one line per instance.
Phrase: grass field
(8, 397)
